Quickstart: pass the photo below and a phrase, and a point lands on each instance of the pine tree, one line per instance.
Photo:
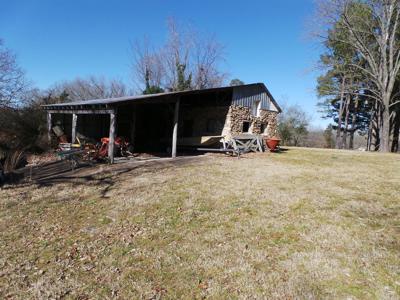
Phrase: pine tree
(151, 89)
(328, 136)
(183, 83)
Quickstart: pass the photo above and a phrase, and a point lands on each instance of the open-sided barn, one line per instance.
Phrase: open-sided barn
(166, 121)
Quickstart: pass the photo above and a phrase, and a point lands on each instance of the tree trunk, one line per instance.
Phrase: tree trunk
(370, 126)
(385, 132)
(353, 124)
(384, 145)
(396, 131)
(375, 126)
(369, 135)
(346, 122)
(338, 144)
(351, 139)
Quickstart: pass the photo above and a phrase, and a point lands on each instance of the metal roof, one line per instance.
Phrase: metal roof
(153, 97)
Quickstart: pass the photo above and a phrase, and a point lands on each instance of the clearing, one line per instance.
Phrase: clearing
(304, 223)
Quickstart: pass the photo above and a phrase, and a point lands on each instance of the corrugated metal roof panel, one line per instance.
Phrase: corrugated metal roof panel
(242, 95)
(248, 95)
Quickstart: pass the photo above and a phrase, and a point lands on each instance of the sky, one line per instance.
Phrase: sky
(265, 41)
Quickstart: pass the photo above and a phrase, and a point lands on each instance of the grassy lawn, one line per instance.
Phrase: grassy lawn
(301, 224)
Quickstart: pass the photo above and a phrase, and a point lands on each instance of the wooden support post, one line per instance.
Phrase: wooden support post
(49, 126)
(111, 138)
(175, 130)
(74, 122)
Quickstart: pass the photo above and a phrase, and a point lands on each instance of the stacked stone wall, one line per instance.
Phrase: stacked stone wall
(239, 114)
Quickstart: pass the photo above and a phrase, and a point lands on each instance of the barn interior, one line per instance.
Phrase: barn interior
(148, 124)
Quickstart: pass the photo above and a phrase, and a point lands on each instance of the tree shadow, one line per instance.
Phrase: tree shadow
(99, 174)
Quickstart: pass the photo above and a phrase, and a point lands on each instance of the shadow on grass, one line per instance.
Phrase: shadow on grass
(280, 150)
(99, 174)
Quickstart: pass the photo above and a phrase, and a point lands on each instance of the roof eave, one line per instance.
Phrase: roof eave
(272, 97)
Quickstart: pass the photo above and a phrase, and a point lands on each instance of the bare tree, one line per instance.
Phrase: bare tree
(372, 28)
(176, 54)
(208, 52)
(12, 78)
(90, 88)
(186, 61)
(293, 126)
(148, 68)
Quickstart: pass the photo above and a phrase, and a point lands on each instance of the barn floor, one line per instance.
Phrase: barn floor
(304, 223)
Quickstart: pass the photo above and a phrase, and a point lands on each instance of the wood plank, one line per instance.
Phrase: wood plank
(81, 111)
(215, 150)
(202, 141)
(175, 129)
(74, 122)
(49, 126)
(111, 137)
(259, 143)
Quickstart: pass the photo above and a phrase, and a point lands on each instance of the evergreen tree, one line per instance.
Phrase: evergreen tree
(183, 82)
(235, 82)
(363, 40)
(343, 89)
(328, 136)
(151, 89)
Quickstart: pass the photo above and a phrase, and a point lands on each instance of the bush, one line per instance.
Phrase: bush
(23, 131)
(293, 123)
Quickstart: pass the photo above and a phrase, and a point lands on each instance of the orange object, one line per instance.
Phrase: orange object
(63, 139)
(119, 142)
(272, 143)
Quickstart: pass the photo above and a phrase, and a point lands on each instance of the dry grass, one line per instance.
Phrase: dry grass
(301, 224)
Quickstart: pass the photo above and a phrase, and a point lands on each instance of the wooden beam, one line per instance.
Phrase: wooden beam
(111, 137)
(49, 126)
(81, 111)
(74, 122)
(175, 129)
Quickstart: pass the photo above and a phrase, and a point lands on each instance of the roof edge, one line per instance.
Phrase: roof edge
(272, 97)
(139, 97)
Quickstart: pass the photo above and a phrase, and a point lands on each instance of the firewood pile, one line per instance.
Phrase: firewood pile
(239, 114)
(270, 118)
